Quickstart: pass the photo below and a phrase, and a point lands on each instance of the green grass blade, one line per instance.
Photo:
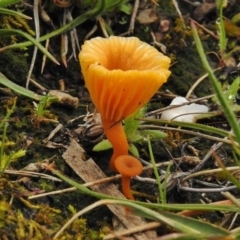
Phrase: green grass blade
(193, 225)
(181, 223)
(77, 21)
(222, 33)
(196, 126)
(204, 207)
(4, 3)
(14, 13)
(18, 89)
(162, 196)
(229, 114)
(9, 32)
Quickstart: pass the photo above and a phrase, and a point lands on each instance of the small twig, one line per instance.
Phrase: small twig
(234, 219)
(73, 34)
(211, 171)
(158, 111)
(175, 3)
(53, 133)
(208, 190)
(209, 184)
(36, 84)
(198, 82)
(102, 26)
(213, 149)
(32, 174)
(79, 117)
(44, 56)
(205, 29)
(133, 17)
(64, 40)
(71, 189)
(91, 32)
(232, 198)
(145, 180)
(162, 47)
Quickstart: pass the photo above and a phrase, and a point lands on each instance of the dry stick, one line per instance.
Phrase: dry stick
(91, 32)
(73, 33)
(33, 174)
(213, 149)
(208, 184)
(205, 29)
(36, 84)
(105, 180)
(37, 31)
(64, 40)
(231, 198)
(234, 219)
(206, 190)
(53, 133)
(79, 117)
(175, 4)
(162, 47)
(133, 17)
(102, 25)
(44, 59)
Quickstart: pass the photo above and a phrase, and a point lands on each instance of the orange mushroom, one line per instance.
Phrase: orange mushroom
(128, 167)
(121, 74)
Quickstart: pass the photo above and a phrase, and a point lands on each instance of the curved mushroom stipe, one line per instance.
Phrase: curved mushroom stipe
(128, 167)
(116, 135)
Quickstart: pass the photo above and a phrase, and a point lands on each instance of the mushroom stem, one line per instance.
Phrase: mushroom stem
(117, 137)
(128, 167)
(126, 187)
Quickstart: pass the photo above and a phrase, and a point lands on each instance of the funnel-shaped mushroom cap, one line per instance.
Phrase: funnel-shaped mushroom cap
(128, 166)
(122, 74)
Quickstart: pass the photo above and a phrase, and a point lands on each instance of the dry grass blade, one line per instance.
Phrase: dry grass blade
(37, 31)
(141, 228)
(33, 174)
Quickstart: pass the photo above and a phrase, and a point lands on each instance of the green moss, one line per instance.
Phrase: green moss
(14, 66)
(38, 221)
(166, 7)
(185, 72)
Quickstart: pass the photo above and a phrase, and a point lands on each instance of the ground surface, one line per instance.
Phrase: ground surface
(156, 22)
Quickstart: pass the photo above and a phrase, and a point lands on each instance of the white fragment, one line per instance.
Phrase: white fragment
(186, 113)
